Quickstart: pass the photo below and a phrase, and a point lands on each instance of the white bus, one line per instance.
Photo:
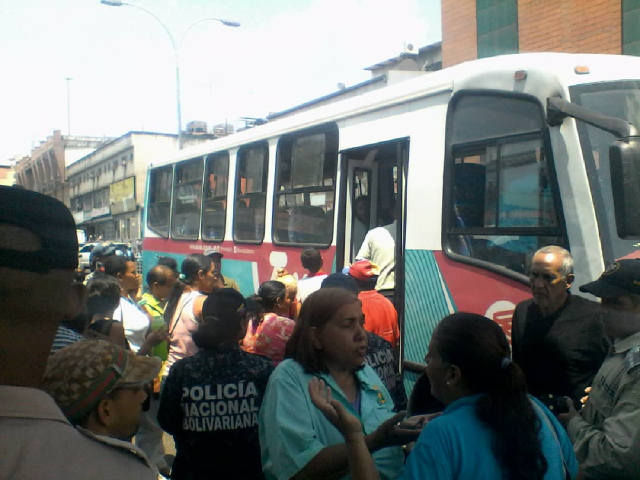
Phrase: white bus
(482, 171)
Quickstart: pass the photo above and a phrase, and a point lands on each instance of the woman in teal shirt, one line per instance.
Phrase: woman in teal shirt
(490, 429)
(296, 440)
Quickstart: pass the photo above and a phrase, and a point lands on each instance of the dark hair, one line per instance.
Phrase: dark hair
(158, 274)
(103, 295)
(222, 315)
(478, 347)
(340, 280)
(189, 268)
(269, 293)
(168, 262)
(316, 311)
(115, 264)
(254, 310)
(311, 259)
(192, 265)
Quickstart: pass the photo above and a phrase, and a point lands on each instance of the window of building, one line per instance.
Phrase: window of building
(251, 193)
(187, 199)
(497, 27)
(500, 193)
(215, 197)
(305, 186)
(631, 27)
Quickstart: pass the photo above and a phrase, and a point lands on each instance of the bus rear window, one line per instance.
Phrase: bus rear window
(305, 189)
(251, 193)
(158, 206)
(215, 197)
(187, 195)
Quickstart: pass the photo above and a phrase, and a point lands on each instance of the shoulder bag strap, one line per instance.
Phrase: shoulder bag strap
(176, 317)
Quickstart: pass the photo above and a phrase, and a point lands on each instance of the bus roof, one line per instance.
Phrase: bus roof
(547, 74)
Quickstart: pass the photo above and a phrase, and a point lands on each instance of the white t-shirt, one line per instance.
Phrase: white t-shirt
(308, 285)
(134, 321)
(379, 247)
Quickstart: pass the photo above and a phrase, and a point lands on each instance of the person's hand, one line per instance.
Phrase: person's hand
(418, 421)
(332, 409)
(399, 431)
(158, 336)
(583, 400)
(564, 418)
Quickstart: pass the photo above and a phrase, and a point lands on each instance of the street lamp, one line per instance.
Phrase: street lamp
(175, 46)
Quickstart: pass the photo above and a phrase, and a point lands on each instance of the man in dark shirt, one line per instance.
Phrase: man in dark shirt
(558, 339)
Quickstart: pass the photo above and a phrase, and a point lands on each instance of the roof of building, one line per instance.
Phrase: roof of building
(397, 59)
(335, 94)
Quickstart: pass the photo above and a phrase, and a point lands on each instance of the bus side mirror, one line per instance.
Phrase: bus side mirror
(624, 165)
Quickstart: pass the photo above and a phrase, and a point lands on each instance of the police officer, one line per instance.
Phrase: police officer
(210, 401)
(606, 433)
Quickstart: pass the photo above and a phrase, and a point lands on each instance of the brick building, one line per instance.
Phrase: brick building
(44, 170)
(483, 28)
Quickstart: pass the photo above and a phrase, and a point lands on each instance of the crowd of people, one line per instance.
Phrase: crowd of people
(301, 379)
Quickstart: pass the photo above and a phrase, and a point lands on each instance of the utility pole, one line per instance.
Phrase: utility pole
(68, 80)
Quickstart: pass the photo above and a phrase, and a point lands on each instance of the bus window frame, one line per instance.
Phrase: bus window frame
(607, 237)
(332, 138)
(173, 197)
(207, 157)
(236, 196)
(447, 191)
(154, 230)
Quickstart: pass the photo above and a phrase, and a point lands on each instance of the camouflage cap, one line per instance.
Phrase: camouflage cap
(82, 374)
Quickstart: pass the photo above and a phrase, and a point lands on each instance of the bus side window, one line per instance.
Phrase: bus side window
(305, 188)
(215, 197)
(159, 204)
(500, 199)
(187, 199)
(251, 193)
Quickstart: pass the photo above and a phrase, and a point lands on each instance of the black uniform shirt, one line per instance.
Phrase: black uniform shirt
(210, 405)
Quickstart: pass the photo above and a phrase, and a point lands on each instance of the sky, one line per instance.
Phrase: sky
(121, 63)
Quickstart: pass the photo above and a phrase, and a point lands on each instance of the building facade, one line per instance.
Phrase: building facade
(7, 172)
(44, 170)
(107, 186)
(482, 28)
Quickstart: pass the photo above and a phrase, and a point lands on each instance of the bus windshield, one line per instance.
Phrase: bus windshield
(616, 99)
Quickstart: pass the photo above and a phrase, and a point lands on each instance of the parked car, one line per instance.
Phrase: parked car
(110, 248)
(84, 254)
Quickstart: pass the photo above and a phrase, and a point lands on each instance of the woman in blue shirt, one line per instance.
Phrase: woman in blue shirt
(296, 440)
(490, 429)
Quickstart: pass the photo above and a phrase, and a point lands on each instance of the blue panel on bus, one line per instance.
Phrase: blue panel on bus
(240, 271)
(427, 301)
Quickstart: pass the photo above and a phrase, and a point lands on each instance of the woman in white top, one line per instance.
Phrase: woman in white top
(183, 312)
(136, 322)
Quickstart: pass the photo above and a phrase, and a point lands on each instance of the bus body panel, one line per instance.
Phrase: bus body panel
(414, 113)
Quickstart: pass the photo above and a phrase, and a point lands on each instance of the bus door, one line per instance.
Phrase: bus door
(372, 180)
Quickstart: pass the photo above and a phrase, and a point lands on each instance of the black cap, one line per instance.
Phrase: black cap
(620, 278)
(50, 220)
(340, 280)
